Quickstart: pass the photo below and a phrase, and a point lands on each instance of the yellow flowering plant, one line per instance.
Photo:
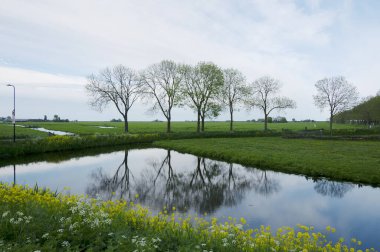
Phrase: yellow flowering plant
(38, 219)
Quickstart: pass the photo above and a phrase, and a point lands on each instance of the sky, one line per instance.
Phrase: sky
(49, 47)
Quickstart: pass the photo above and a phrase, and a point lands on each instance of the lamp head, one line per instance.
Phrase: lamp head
(9, 85)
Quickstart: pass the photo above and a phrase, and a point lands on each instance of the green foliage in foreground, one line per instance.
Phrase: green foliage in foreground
(35, 219)
(356, 161)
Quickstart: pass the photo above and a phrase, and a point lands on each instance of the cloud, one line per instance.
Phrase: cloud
(43, 85)
(298, 43)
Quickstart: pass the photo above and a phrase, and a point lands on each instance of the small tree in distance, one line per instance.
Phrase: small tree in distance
(56, 118)
(120, 86)
(336, 94)
(262, 95)
(234, 91)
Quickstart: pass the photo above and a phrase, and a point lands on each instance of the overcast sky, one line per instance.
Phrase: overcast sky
(48, 48)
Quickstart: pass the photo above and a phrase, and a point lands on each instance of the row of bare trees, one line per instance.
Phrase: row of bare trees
(205, 88)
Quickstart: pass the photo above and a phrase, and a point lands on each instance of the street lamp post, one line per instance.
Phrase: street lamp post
(14, 112)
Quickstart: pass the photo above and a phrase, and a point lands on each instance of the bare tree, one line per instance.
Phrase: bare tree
(119, 85)
(234, 90)
(202, 85)
(263, 96)
(378, 93)
(336, 94)
(162, 82)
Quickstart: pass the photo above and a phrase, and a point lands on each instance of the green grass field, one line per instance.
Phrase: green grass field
(356, 161)
(6, 132)
(89, 128)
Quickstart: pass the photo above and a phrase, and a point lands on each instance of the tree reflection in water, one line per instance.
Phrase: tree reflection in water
(112, 187)
(266, 185)
(204, 188)
(332, 188)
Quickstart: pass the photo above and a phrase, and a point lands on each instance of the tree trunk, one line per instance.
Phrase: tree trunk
(203, 123)
(266, 122)
(331, 122)
(232, 119)
(199, 121)
(168, 127)
(126, 128)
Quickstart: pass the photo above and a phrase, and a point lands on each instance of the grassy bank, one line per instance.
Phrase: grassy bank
(65, 143)
(8, 149)
(35, 219)
(356, 161)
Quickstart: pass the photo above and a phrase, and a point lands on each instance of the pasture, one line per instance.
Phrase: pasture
(90, 128)
(355, 161)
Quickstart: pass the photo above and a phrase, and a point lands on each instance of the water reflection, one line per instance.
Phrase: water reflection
(204, 187)
(266, 185)
(106, 186)
(332, 188)
(195, 184)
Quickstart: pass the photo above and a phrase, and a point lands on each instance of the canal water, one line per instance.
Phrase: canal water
(202, 186)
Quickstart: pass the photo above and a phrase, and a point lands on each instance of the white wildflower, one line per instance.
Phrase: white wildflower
(65, 244)
(142, 243)
(239, 226)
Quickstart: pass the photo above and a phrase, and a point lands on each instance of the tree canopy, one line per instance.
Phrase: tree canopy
(367, 112)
